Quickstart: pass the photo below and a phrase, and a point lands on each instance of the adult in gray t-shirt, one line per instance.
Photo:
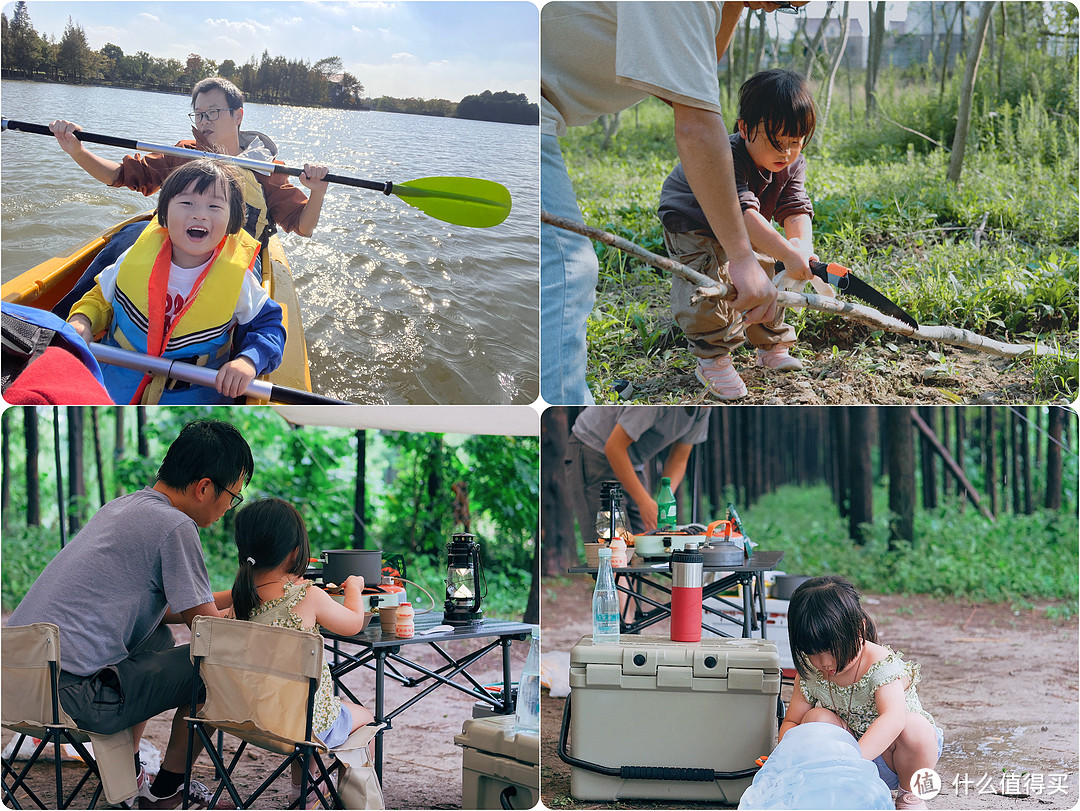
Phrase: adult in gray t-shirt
(615, 442)
(134, 559)
(137, 563)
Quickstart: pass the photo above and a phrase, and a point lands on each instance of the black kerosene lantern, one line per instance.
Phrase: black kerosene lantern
(463, 573)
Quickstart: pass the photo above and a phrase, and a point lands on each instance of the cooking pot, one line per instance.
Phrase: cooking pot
(725, 545)
(338, 564)
(784, 585)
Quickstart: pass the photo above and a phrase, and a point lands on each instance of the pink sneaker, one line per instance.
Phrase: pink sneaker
(721, 378)
(906, 800)
(778, 359)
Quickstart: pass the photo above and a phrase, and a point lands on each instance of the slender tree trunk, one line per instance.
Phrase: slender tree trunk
(861, 422)
(901, 450)
(958, 452)
(98, 461)
(5, 463)
(33, 486)
(876, 43)
(926, 460)
(845, 28)
(557, 538)
(119, 447)
(76, 420)
(967, 94)
(990, 459)
(143, 439)
(1052, 500)
(1025, 461)
(812, 45)
(359, 533)
(946, 47)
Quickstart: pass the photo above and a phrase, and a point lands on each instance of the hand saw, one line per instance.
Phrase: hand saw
(844, 281)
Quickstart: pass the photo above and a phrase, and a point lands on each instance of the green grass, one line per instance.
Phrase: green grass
(995, 254)
(962, 556)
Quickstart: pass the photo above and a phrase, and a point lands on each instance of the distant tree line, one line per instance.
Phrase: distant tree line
(509, 108)
(26, 54)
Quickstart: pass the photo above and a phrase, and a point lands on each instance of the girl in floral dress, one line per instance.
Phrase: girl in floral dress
(273, 548)
(844, 677)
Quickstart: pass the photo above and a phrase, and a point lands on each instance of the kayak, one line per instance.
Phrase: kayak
(46, 284)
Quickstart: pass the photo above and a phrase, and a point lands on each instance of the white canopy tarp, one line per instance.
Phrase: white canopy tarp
(500, 420)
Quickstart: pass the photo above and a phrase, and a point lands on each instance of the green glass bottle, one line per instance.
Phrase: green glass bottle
(665, 502)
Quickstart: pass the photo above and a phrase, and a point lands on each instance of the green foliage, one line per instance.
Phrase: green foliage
(410, 501)
(27, 551)
(954, 554)
(996, 254)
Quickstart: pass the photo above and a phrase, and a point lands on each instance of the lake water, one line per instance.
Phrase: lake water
(398, 307)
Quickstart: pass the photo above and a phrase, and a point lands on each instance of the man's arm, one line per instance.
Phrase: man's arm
(675, 464)
(616, 450)
(204, 610)
(312, 179)
(104, 170)
(705, 151)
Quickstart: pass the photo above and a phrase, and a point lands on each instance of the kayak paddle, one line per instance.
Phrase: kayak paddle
(201, 376)
(465, 201)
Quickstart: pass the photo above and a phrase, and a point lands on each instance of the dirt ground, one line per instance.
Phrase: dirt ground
(900, 372)
(1002, 683)
(421, 763)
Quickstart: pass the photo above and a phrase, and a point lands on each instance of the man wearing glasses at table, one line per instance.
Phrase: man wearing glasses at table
(598, 58)
(217, 113)
(136, 565)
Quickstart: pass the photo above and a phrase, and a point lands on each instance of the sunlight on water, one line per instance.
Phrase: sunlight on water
(398, 307)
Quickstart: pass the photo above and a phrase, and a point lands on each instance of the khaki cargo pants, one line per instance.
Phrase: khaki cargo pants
(713, 327)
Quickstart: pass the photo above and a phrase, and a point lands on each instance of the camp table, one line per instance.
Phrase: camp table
(385, 654)
(631, 580)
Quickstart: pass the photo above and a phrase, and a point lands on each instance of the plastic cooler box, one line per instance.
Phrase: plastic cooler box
(647, 707)
(498, 764)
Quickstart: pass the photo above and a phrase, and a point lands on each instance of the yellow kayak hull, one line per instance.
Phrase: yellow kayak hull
(47, 283)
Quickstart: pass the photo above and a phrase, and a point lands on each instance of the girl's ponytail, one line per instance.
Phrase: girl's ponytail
(244, 594)
(267, 533)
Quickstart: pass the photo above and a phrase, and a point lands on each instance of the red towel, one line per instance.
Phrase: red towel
(57, 377)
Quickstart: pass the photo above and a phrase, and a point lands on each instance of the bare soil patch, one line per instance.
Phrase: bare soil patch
(891, 374)
(421, 763)
(1001, 682)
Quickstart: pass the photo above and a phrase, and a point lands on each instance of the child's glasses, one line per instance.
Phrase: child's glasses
(209, 115)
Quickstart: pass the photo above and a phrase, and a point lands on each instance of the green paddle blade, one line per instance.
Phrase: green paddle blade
(459, 200)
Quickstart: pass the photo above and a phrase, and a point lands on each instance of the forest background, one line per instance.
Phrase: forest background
(405, 503)
(961, 503)
(27, 54)
(943, 171)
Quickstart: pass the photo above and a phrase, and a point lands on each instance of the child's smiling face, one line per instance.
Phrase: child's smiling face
(198, 221)
(764, 154)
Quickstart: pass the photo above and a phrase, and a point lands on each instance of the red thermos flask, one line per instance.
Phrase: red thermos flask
(686, 577)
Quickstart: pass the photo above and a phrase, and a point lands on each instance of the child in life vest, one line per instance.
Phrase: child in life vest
(273, 548)
(184, 291)
(845, 678)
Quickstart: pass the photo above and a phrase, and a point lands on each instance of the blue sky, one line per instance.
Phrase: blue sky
(428, 49)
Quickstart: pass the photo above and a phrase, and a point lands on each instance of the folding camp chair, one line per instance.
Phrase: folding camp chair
(31, 707)
(260, 687)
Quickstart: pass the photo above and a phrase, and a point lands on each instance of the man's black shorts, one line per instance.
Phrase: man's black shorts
(156, 677)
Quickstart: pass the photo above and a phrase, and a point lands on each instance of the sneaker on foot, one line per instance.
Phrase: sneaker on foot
(906, 800)
(778, 359)
(719, 375)
(200, 797)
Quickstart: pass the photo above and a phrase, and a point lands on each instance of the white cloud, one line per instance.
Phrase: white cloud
(143, 15)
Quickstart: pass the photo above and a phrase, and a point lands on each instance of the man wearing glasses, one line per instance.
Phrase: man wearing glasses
(137, 564)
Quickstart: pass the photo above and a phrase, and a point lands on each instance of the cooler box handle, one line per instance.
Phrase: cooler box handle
(698, 775)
